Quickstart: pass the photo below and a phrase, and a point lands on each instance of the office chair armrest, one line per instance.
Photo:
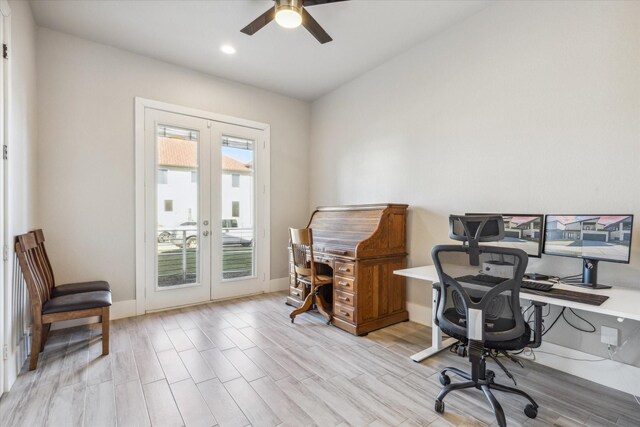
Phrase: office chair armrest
(436, 287)
(537, 325)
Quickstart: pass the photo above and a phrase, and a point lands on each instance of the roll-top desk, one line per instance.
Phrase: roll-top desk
(361, 246)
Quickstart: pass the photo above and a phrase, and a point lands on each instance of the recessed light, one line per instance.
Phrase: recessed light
(228, 49)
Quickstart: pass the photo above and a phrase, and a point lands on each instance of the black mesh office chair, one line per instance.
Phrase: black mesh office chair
(486, 319)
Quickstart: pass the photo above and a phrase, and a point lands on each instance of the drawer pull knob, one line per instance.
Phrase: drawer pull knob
(343, 298)
(344, 313)
(343, 269)
(341, 283)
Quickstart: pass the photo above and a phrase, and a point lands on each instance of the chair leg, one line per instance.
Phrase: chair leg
(451, 387)
(458, 372)
(45, 335)
(36, 343)
(105, 330)
(306, 306)
(495, 405)
(508, 389)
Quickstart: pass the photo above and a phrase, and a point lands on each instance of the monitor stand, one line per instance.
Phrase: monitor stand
(590, 275)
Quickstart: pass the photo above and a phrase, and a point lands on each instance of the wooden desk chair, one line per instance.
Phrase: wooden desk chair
(46, 309)
(47, 273)
(305, 273)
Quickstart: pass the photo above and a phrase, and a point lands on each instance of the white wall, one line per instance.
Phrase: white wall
(525, 107)
(21, 200)
(86, 151)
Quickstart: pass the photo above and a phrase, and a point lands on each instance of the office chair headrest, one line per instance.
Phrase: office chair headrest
(474, 229)
(481, 228)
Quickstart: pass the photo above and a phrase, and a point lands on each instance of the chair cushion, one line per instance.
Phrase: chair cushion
(75, 302)
(76, 288)
(514, 344)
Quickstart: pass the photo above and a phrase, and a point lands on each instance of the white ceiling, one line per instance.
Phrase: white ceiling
(291, 62)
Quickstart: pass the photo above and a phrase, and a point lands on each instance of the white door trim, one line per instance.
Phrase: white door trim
(6, 327)
(139, 148)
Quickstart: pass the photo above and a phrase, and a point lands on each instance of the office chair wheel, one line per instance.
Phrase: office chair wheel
(439, 406)
(444, 379)
(531, 411)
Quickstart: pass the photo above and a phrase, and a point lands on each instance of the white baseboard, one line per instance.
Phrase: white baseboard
(119, 310)
(281, 284)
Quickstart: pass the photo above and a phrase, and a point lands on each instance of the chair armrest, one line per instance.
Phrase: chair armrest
(436, 306)
(537, 325)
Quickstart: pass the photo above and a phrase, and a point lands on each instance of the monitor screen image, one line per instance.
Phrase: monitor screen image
(598, 237)
(521, 231)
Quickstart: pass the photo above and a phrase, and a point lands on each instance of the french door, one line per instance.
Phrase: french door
(204, 219)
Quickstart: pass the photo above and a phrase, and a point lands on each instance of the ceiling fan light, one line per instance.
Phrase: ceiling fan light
(288, 17)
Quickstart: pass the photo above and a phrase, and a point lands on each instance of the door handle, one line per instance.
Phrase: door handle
(205, 233)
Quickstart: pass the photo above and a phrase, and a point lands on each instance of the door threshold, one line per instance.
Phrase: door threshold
(160, 310)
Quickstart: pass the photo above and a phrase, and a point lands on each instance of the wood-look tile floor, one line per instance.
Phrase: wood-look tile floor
(241, 362)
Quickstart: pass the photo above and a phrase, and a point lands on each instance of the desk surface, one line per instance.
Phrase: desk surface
(622, 302)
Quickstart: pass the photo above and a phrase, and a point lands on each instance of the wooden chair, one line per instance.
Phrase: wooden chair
(46, 309)
(67, 289)
(305, 273)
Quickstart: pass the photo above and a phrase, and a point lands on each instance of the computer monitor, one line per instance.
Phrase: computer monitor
(593, 238)
(521, 231)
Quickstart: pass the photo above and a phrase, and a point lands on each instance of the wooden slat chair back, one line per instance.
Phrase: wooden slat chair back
(49, 278)
(41, 252)
(46, 309)
(301, 241)
(302, 251)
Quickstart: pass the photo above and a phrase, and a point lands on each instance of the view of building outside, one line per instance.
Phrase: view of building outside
(178, 177)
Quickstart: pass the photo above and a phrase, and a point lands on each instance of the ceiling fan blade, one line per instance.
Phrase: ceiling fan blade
(260, 22)
(314, 28)
(307, 3)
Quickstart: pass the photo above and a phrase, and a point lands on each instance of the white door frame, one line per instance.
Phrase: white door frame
(5, 293)
(140, 224)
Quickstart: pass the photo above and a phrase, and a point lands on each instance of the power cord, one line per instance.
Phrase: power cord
(554, 322)
(593, 328)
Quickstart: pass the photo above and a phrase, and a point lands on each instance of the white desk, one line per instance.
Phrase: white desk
(622, 302)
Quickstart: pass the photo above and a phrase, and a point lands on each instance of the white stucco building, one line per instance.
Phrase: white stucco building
(177, 189)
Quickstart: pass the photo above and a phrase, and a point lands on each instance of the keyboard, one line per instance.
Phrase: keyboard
(543, 289)
(486, 280)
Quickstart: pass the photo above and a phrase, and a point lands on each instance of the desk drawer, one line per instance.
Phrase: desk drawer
(344, 312)
(345, 268)
(345, 298)
(323, 260)
(299, 293)
(344, 283)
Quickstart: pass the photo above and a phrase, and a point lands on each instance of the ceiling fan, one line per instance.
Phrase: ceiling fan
(290, 14)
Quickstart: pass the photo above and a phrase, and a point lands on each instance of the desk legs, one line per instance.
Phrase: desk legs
(437, 344)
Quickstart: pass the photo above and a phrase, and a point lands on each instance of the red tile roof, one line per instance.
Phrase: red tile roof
(184, 154)
(521, 220)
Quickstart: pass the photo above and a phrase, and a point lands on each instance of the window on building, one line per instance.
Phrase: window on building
(194, 176)
(235, 180)
(235, 209)
(168, 205)
(163, 176)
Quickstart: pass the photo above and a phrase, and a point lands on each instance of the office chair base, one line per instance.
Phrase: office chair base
(487, 385)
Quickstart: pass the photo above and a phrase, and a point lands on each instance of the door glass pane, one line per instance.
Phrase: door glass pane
(177, 206)
(238, 208)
